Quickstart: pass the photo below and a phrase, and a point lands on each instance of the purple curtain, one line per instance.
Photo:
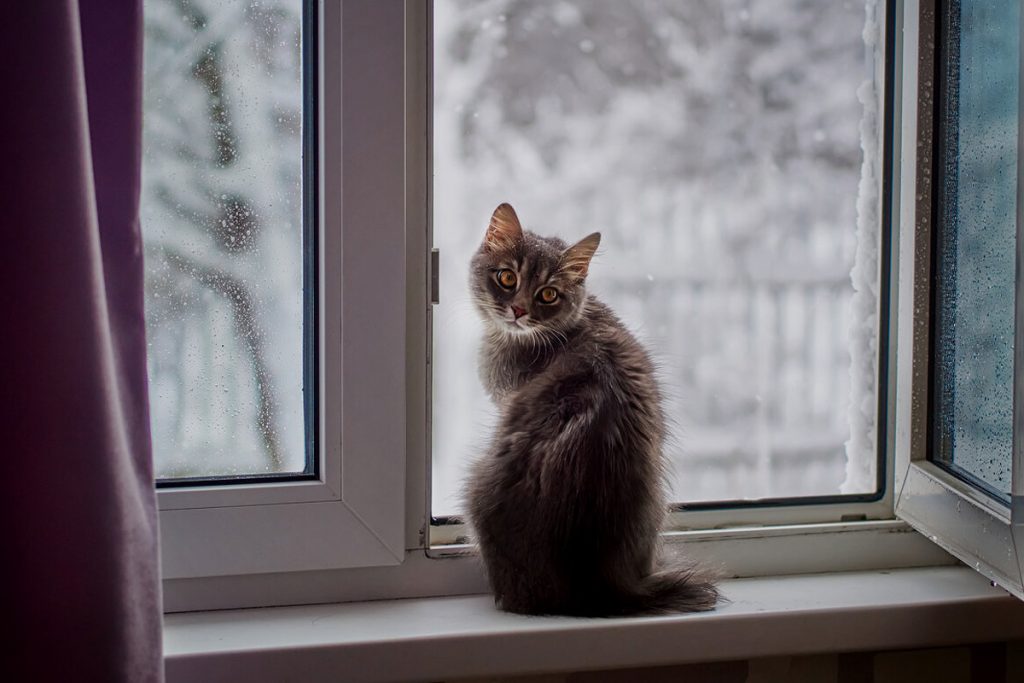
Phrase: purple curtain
(80, 565)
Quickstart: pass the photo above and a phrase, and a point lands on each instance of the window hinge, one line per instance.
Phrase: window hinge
(435, 277)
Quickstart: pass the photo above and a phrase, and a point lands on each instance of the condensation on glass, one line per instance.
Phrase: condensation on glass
(976, 234)
(728, 152)
(222, 225)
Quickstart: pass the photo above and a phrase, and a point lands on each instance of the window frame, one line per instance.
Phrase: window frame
(963, 519)
(228, 564)
(356, 519)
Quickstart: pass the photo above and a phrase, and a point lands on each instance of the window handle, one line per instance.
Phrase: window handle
(435, 277)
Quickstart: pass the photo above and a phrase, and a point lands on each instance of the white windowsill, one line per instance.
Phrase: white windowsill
(443, 638)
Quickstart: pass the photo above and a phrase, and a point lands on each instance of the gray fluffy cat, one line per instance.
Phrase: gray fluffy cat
(568, 502)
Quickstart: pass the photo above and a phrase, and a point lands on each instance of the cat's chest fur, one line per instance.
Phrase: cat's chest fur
(506, 365)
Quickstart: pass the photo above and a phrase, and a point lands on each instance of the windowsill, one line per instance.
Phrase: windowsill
(452, 637)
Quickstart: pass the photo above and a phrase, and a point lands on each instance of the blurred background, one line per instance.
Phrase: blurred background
(717, 146)
(222, 228)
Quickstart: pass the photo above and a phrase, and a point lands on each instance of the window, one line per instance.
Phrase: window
(230, 242)
(731, 154)
(277, 459)
(351, 518)
(974, 232)
(962, 470)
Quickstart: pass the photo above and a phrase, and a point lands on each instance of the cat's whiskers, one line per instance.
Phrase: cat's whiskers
(535, 340)
(558, 334)
(543, 339)
(551, 337)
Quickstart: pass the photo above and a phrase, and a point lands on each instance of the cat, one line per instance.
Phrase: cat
(567, 502)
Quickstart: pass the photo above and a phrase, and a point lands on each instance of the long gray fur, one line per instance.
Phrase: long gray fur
(567, 503)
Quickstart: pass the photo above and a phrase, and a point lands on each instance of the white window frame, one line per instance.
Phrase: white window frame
(366, 535)
(353, 514)
(954, 514)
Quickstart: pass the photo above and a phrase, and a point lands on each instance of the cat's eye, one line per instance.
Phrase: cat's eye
(548, 295)
(506, 278)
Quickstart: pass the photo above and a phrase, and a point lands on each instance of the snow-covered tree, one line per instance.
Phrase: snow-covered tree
(222, 225)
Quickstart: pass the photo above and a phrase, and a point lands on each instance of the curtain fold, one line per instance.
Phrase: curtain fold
(81, 567)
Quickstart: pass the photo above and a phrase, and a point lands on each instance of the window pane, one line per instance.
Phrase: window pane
(222, 222)
(976, 236)
(719, 146)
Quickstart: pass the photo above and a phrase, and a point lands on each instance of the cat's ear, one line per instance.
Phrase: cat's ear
(576, 259)
(504, 232)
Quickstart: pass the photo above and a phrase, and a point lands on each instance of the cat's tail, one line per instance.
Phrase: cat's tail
(670, 591)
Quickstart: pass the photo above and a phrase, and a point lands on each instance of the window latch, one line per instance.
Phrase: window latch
(435, 277)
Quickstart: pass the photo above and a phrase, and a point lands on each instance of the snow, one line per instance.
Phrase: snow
(861, 447)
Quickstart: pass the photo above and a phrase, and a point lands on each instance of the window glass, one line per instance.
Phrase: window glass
(222, 224)
(976, 233)
(728, 152)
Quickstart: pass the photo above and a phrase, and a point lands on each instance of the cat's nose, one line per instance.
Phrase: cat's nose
(518, 312)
